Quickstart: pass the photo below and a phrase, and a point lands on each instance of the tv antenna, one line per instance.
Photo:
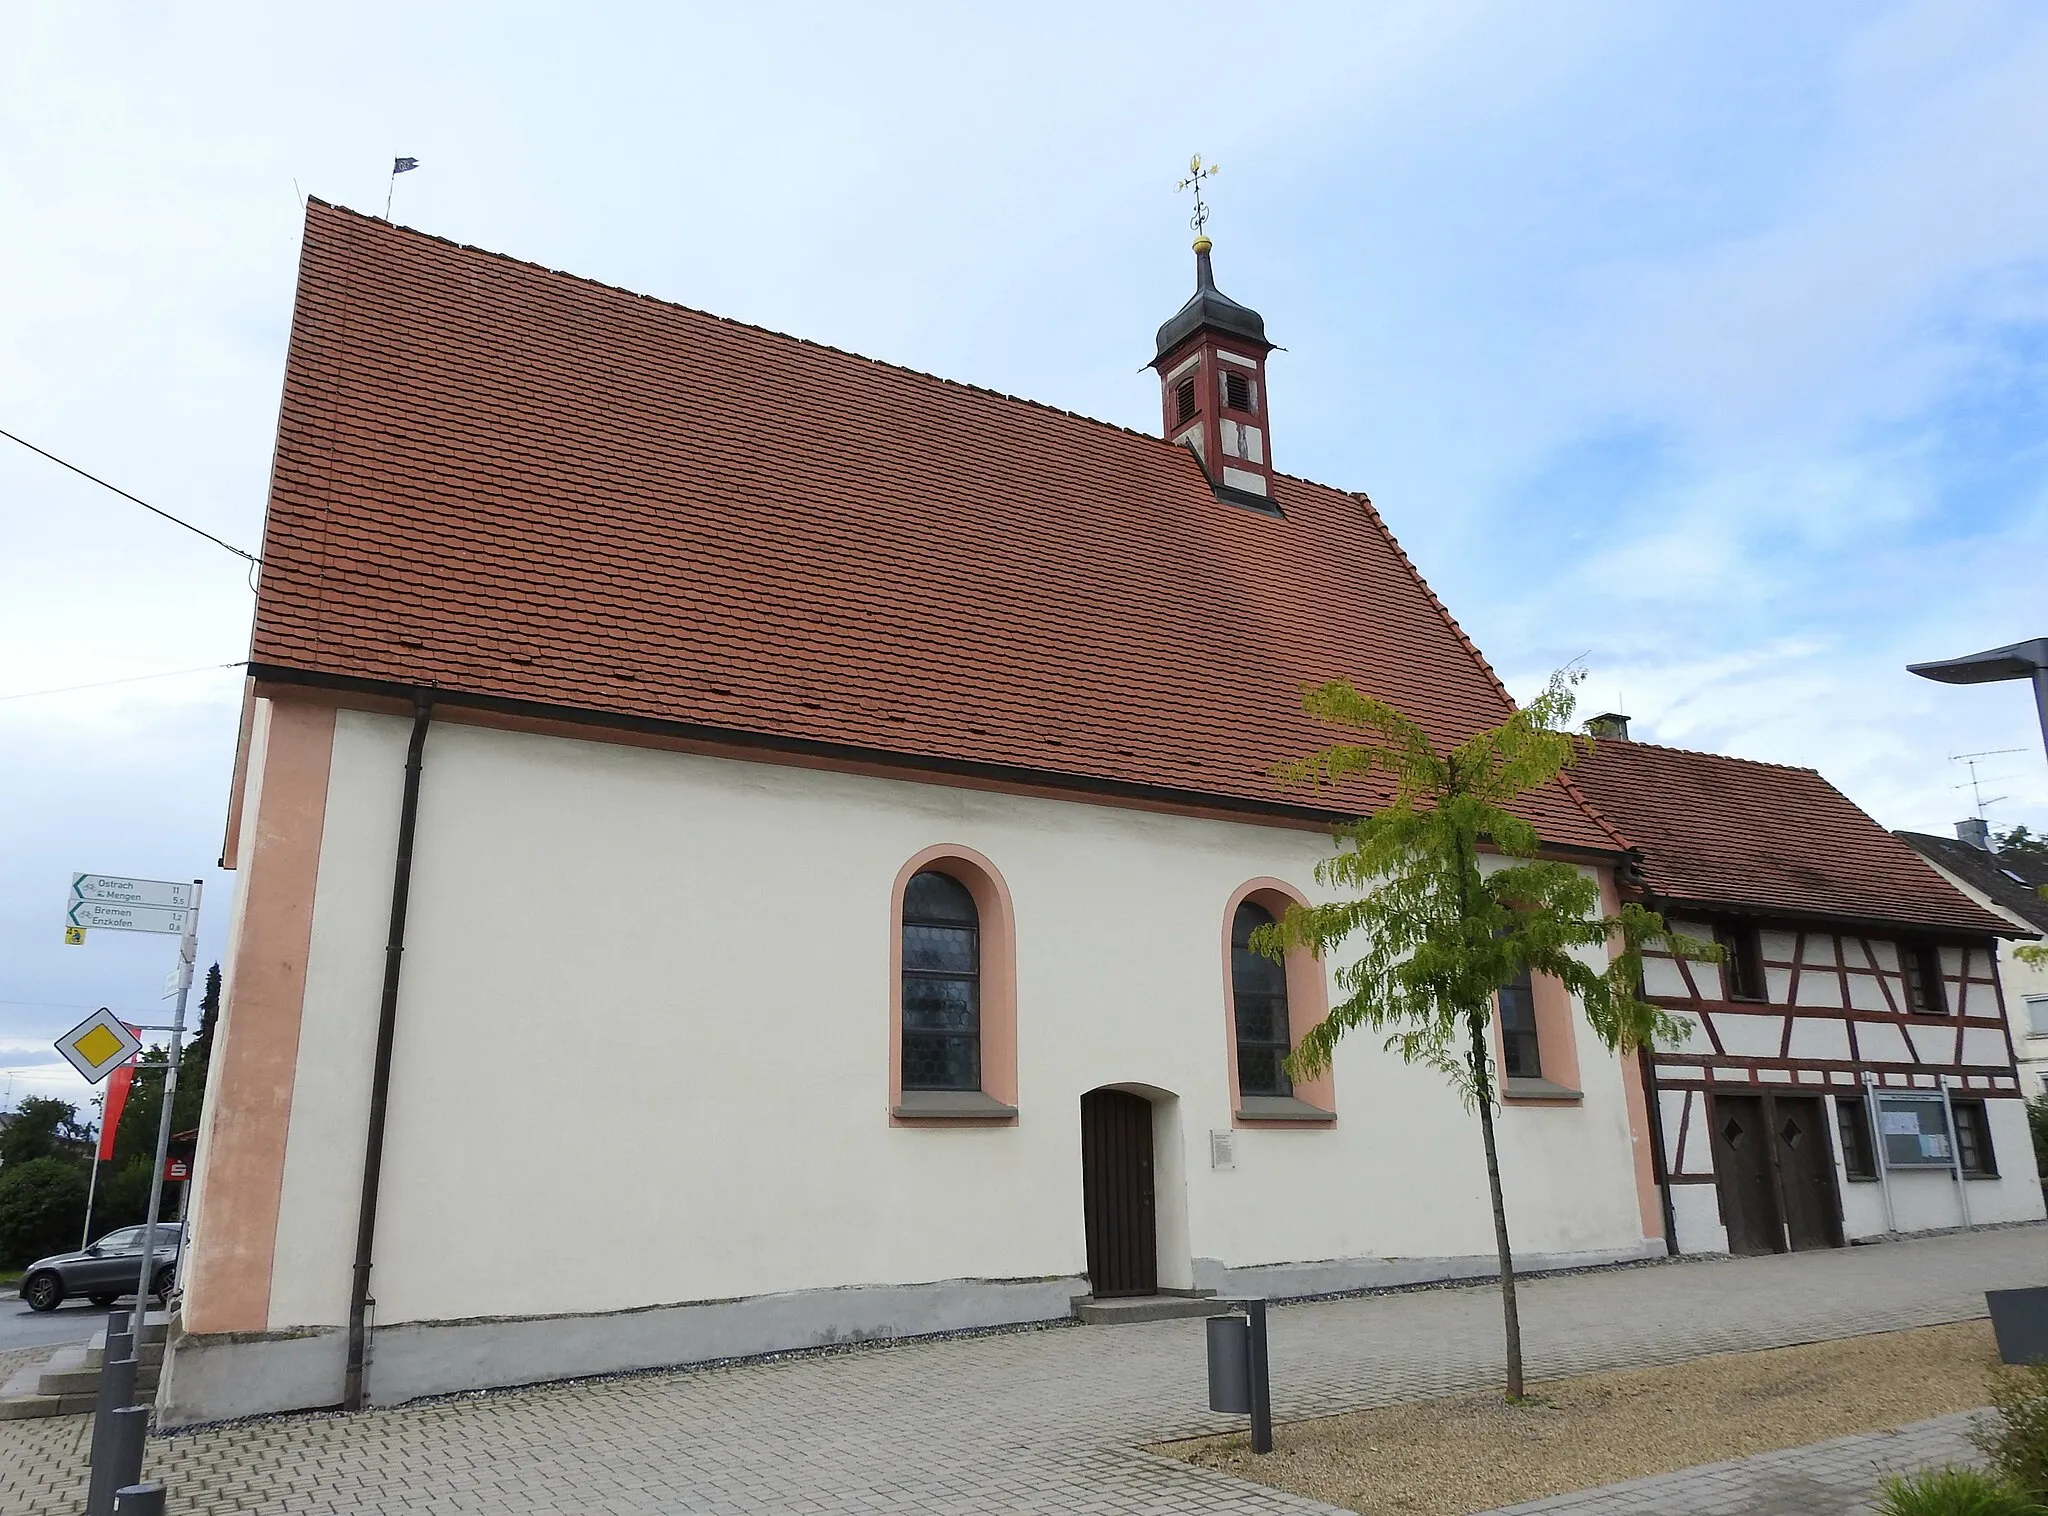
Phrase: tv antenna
(1975, 784)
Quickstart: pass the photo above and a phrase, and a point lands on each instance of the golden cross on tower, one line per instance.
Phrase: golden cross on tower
(1197, 172)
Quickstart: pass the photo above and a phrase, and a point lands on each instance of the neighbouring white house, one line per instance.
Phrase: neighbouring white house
(2009, 883)
(1850, 1073)
(742, 846)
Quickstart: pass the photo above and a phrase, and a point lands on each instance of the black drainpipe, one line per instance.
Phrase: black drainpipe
(380, 1078)
(1657, 1169)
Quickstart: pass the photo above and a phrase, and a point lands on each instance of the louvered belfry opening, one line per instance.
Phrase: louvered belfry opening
(1117, 1194)
(1184, 402)
(1237, 392)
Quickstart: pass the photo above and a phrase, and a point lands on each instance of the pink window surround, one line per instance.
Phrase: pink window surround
(1308, 1002)
(998, 988)
(1557, 1047)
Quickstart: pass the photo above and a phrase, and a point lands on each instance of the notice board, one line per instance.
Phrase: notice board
(1914, 1130)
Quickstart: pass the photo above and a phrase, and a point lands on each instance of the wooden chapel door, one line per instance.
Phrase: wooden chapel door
(1117, 1195)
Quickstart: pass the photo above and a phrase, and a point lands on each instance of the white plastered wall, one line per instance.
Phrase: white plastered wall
(642, 1047)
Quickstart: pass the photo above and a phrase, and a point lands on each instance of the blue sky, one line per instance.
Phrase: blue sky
(1705, 342)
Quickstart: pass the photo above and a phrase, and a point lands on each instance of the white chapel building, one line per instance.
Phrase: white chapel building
(742, 847)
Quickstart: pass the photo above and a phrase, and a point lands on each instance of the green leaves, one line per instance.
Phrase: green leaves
(1447, 897)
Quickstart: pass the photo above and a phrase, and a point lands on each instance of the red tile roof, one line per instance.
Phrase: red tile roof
(533, 488)
(1765, 839)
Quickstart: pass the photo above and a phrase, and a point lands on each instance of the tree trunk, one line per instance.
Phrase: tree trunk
(1510, 1315)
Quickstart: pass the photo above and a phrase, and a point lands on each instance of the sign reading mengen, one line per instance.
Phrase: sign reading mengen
(98, 1045)
(116, 889)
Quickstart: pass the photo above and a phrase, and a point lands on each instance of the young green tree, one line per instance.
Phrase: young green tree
(1440, 930)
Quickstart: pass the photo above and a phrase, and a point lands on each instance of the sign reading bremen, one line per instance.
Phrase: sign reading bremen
(129, 918)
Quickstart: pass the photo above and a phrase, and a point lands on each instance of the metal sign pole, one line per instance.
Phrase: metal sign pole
(1955, 1149)
(1874, 1109)
(93, 1184)
(1262, 1389)
(188, 950)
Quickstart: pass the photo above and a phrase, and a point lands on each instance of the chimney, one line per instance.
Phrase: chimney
(1976, 831)
(1609, 725)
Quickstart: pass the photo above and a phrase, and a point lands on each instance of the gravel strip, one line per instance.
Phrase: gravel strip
(1471, 1453)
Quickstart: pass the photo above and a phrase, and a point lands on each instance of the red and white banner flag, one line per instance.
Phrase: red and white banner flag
(117, 1100)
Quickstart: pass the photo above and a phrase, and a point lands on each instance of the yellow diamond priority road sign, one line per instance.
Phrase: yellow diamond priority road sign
(98, 1045)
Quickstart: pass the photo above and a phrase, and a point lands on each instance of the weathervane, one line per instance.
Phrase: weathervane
(1196, 174)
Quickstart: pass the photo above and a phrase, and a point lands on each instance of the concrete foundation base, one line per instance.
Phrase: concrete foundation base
(1338, 1276)
(219, 1378)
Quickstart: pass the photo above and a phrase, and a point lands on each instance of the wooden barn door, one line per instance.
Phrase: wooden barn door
(1116, 1194)
(1806, 1171)
(1742, 1172)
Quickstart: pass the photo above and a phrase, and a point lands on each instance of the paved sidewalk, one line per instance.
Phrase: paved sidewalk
(1837, 1478)
(1039, 1422)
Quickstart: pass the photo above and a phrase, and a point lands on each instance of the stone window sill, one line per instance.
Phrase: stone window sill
(950, 1105)
(1539, 1092)
(1281, 1108)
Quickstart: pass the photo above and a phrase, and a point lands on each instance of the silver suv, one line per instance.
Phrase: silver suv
(104, 1272)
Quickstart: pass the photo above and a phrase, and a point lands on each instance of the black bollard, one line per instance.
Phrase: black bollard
(117, 1389)
(128, 1430)
(139, 1500)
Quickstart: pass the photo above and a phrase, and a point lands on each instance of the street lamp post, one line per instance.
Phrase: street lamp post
(2021, 660)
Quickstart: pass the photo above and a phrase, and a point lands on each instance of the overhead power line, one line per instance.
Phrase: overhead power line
(67, 689)
(153, 510)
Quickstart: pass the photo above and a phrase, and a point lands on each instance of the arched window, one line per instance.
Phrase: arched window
(1258, 994)
(941, 985)
(1521, 1048)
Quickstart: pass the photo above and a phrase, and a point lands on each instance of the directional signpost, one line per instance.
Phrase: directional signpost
(117, 903)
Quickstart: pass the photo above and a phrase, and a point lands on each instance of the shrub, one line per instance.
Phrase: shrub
(2016, 1443)
(1952, 1492)
(42, 1206)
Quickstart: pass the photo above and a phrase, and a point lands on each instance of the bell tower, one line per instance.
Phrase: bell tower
(1211, 361)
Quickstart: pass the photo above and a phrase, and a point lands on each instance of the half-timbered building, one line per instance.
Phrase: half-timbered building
(1848, 1072)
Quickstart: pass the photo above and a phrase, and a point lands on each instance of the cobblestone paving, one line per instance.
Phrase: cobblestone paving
(1837, 1478)
(1040, 1422)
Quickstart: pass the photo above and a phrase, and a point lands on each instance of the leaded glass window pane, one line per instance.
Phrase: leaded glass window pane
(940, 949)
(941, 985)
(933, 896)
(1258, 994)
(1519, 1045)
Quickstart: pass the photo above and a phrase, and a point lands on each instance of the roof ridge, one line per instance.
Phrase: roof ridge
(769, 331)
(1695, 752)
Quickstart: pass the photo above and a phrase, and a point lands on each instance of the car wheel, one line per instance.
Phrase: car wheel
(103, 1299)
(44, 1292)
(161, 1285)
